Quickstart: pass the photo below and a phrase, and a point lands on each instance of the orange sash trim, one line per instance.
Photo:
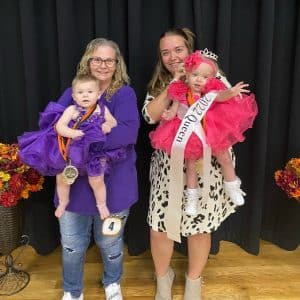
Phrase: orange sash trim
(191, 101)
(190, 98)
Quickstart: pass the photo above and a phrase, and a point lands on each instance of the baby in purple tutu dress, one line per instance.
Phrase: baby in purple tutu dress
(70, 143)
(224, 123)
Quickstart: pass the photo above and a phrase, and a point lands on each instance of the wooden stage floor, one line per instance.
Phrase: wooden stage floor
(231, 274)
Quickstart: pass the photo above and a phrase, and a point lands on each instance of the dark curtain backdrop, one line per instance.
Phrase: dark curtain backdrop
(257, 41)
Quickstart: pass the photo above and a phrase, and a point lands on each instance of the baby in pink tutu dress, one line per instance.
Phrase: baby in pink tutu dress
(224, 123)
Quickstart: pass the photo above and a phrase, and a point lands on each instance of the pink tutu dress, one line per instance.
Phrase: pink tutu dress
(224, 123)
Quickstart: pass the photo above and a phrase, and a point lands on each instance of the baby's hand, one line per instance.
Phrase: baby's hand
(77, 134)
(238, 89)
(168, 115)
(179, 71)
(75, 114)
(106, 128)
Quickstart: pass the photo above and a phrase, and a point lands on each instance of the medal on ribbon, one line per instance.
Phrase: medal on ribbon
(70, 172)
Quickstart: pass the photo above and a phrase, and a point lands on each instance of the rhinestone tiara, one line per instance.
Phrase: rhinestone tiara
(208, 54)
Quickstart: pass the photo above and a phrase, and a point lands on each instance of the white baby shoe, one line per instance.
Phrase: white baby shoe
(234, 191)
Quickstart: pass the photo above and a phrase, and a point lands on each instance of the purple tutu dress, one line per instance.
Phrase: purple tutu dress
(39, 149)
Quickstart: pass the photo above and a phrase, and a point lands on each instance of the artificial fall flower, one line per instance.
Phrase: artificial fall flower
(288, 179)
(17, 180)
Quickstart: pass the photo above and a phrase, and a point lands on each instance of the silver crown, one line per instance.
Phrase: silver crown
(208, 54)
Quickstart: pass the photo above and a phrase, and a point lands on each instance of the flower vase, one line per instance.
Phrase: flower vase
(12, 280)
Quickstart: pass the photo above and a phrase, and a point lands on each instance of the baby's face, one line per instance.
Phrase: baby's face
(197, 78)
(86, 94)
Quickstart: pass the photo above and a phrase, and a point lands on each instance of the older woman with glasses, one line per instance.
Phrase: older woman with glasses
(103, 60)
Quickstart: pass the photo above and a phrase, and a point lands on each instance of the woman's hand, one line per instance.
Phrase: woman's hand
(106, 128)
(168, 114)
(179, 72)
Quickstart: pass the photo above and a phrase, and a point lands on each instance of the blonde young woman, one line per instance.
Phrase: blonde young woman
(174, 46)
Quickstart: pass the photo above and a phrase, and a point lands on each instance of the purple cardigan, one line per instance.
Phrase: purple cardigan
(121, 182)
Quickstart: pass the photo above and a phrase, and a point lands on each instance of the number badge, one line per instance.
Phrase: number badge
(112, 225)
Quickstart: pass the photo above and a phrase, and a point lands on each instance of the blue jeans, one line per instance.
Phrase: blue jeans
(75, 233)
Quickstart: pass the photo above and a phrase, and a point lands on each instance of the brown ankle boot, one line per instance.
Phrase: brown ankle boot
(192, 289)
(164, 286)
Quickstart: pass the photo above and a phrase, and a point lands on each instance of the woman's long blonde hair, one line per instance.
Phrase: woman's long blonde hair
(161, 76)
(120, 76)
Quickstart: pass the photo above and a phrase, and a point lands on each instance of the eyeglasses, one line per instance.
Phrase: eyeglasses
(97, 61)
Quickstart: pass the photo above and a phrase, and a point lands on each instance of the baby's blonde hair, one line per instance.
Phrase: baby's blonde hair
(80, 78)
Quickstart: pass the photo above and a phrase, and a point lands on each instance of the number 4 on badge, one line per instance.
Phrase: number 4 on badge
(112, 225)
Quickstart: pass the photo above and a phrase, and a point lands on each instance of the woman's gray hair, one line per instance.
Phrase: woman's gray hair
(120, 76)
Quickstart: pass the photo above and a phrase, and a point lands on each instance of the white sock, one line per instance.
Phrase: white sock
(192, 191)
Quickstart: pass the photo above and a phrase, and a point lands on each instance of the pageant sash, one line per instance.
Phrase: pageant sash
(190, 123)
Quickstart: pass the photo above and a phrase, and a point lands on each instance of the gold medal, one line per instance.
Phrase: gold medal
(70, 173)
(112, 225)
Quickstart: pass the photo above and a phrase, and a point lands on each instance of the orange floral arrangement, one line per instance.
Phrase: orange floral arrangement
(289, 178)
(17, 180)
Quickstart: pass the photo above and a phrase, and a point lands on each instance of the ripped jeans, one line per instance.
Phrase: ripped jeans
(75, 233)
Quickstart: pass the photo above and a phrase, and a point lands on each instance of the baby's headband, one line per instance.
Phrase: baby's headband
(201, 56)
